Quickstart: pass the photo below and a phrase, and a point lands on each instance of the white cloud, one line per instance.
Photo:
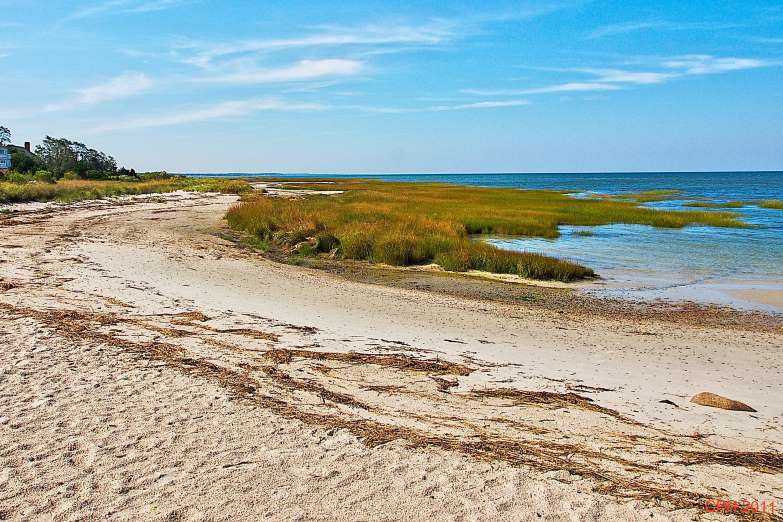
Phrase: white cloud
(562, 87)
(218, 111)
(657, 25)
(204, 55)
(123, 86)
(618, 79)
(480, 105)
(696, 64)
(303, 70)
(623, 28)
(632, 77)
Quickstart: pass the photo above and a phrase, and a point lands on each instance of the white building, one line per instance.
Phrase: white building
(5, 159)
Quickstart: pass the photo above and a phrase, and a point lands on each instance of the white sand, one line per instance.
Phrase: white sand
(98, 427)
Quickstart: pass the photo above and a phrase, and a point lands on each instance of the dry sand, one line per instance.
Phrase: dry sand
(152, 370)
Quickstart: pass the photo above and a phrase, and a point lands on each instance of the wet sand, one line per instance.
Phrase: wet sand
(156, 369)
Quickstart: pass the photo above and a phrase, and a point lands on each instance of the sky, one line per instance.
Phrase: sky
(396, 86)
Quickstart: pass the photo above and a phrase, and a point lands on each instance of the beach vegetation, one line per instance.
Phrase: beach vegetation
(405, 224)
(19, 188)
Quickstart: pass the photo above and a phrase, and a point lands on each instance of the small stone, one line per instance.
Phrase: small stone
(716, 401)
(4, 420)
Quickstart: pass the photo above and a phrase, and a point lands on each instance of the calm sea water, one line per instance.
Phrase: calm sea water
(701, 263)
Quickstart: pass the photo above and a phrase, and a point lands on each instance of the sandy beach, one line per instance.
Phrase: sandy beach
(155, 369)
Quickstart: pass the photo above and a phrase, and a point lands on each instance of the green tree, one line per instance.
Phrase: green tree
(57, 155)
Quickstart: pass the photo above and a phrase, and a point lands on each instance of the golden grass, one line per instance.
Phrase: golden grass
(68, 191)
(771, 203)
(417, 223)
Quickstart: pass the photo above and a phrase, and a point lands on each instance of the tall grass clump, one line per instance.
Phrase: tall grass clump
(771, 203)
(417, 223)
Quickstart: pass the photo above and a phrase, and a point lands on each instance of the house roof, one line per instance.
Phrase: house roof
(17, 148)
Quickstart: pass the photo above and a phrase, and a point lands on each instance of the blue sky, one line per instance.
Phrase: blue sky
(394, 86)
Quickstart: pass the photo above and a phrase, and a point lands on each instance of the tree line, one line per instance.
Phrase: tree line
(56, 158)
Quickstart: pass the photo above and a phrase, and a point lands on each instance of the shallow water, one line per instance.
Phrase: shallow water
(741, 267)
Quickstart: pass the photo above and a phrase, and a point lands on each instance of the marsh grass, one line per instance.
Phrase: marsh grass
(765, 203)
(716, 204)
(68, 191)
(647, 196)
(418, 223)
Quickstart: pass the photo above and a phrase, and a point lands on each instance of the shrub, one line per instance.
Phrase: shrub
(18, 177)
(44, 176)
(153, 176)
(326, 242)
(70, 175)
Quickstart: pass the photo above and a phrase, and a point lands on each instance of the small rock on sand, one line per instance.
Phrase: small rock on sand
(716, 401)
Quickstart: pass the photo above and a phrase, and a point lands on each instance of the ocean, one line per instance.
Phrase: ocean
(738, 267)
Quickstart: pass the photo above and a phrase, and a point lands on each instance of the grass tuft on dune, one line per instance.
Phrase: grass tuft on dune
(418, 223)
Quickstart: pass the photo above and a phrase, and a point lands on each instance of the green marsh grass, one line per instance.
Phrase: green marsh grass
(771, 203)
(716, 204)
(647, 196)
(68, 191)
(418, 223)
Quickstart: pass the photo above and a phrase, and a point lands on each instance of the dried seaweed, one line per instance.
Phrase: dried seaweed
(401, 362)
(548, 456)
(545, 399)
(764, 462)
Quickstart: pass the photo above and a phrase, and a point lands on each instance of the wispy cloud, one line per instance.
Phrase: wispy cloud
(494, 104)
(629, 77)
(766, 39)
(697, 64)
(112, 7)
(302, 70)
(657, 25)
(562, 87)
(117, 88)
(222, 110)
(205, 54)
(613, 79)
